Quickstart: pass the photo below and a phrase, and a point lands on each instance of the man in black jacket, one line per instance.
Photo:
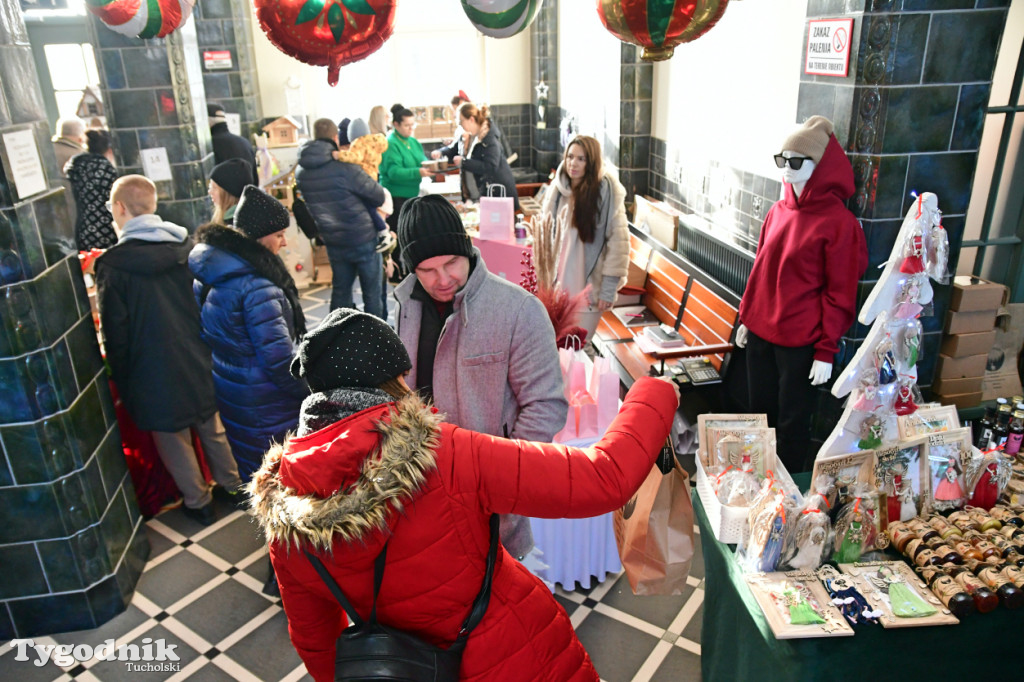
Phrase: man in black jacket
(162, 368)
(227, 145)
(340, 196)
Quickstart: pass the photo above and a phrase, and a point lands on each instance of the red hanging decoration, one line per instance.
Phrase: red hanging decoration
(328, 33)
(659, 26)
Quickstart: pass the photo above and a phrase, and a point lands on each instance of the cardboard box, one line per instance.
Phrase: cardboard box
(975, 293)
(962, 345)
(636, 276)
(960, 368)
(953, 386)
(970, 322)
(961, 400)
(1001, 376)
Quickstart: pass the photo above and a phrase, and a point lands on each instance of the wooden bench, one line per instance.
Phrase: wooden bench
(681, 296)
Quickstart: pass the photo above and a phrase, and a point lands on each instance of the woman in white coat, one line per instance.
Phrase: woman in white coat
(590, 203)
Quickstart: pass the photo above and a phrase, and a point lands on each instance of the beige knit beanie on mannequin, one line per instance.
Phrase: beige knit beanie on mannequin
(811, 138)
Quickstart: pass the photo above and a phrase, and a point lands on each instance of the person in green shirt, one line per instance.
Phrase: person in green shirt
(401, 168)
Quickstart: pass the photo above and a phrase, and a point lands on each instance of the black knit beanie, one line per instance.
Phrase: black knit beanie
(343, 132)
(350, 349)
(233, 175)
(259, 214)
(430, 226)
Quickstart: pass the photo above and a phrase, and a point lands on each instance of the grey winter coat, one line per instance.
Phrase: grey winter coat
(606, 258)
(496, 366)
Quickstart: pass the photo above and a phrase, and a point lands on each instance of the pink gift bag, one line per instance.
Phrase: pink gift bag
(604, 387)
(497, 216)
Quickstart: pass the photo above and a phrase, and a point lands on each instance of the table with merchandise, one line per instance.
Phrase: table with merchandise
(738, 642)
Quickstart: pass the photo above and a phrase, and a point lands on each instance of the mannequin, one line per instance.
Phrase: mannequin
(801, 294)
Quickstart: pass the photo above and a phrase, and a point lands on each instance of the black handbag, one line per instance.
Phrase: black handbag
(368, 650)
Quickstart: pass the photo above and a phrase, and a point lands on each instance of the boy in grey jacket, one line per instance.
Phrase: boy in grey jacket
(482, 348)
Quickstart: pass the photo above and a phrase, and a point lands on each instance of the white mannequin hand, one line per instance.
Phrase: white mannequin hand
(741, 336)
(821, 372)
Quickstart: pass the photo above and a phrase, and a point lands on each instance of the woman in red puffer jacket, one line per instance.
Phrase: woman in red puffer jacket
(371, 463)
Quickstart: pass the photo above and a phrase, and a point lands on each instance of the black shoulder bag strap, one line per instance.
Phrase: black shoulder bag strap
(476, 613)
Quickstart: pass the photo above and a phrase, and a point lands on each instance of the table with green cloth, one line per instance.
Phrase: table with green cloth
(737, 643)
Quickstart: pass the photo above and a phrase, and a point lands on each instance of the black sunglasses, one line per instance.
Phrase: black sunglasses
(794, 161)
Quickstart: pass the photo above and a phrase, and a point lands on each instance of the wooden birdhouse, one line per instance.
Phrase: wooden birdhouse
(284, 132)
(90, 108)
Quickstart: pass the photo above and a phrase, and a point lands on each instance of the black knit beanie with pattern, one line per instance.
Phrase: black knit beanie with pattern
(430, 226)
(259, 214)
(350, 349)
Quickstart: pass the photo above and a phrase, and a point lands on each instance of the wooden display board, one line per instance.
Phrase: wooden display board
(873, 580)
(768, 589)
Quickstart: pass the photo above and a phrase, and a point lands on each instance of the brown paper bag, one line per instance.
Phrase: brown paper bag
(654, 532)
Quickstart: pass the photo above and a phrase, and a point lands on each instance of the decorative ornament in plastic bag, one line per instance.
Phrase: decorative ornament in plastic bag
(805, 545)
(736, 488)
(907, 306)
(501, 18)
(899, 491)
(852, 526)
(885, 362)
(871, 430)
(866, 399)
(659, 26)
(149, 19)
(911, 343)
(938, 255)
(904, 403)
(328, 33)
(913, 252)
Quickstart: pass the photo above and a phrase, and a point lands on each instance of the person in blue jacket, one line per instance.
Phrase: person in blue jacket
(252, 320)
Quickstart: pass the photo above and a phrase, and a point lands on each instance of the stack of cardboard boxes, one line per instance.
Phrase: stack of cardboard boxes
(970, 335)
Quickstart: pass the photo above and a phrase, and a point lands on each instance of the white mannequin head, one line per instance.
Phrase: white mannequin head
(797, 177)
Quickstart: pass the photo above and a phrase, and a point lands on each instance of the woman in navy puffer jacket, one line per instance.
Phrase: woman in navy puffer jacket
(252, 320)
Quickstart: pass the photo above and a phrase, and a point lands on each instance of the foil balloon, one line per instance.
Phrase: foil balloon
(501, 18)
(328, 33)
(659, 25)
(142, 18)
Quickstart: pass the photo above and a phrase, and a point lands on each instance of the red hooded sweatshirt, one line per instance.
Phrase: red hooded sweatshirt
(802, 290)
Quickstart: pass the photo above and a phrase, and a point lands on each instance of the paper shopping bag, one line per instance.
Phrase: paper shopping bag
(604, 387)
(654, 530)
(497, 216)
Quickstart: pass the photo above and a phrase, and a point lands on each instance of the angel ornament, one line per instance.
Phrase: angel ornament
(938, 258)
(846, 597)
(907, 306)
(948, 493)
(885, 362)
(899, 493)
(912, 343)
(867, 392)
(805, 550)
(849, 538)
(913, 252)
(987, 478)
(871, 432)
(901, 598)
(904, 403)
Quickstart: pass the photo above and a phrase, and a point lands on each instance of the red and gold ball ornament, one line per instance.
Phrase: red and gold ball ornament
(659, 25)
(142, 18)
(328, 33)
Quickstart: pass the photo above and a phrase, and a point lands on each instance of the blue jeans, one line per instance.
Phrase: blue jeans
(346, 264)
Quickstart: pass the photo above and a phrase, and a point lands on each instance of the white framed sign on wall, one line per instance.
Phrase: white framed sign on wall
(828, 47)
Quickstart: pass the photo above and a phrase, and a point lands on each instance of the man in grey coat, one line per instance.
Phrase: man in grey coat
(482, 348)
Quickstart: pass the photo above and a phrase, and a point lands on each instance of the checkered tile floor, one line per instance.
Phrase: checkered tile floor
(201, 591)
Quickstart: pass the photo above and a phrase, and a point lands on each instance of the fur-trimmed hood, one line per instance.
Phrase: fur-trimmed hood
(345, 481)
(224, 252)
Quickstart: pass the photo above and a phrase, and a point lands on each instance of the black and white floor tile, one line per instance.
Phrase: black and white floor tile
(202, 592)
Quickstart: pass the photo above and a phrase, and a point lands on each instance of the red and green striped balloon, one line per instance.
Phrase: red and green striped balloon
(659, 25)
(501, 18)
(142, 18)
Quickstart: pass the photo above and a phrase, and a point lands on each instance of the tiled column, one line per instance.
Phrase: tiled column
(635, 120)
(910, 117)
(72, 544)
(153, 91)
(227, 25)
(544, 66)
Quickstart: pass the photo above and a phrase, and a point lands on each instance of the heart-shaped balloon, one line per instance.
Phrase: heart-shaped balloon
(658, 26)
(328, 33)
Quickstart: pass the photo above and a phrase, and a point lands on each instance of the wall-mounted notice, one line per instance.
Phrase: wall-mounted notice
(234, 122)
(155, 164)
(27, 169)
(215, 60)
(828, 47)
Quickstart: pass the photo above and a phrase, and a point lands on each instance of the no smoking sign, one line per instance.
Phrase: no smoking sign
(828, 47)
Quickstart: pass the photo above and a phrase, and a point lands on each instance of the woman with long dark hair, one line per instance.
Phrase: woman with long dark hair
(252, 320)
(373, 468)
(589, 201)
(92, 175)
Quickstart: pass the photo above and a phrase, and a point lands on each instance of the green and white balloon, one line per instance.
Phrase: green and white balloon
(501, 18)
